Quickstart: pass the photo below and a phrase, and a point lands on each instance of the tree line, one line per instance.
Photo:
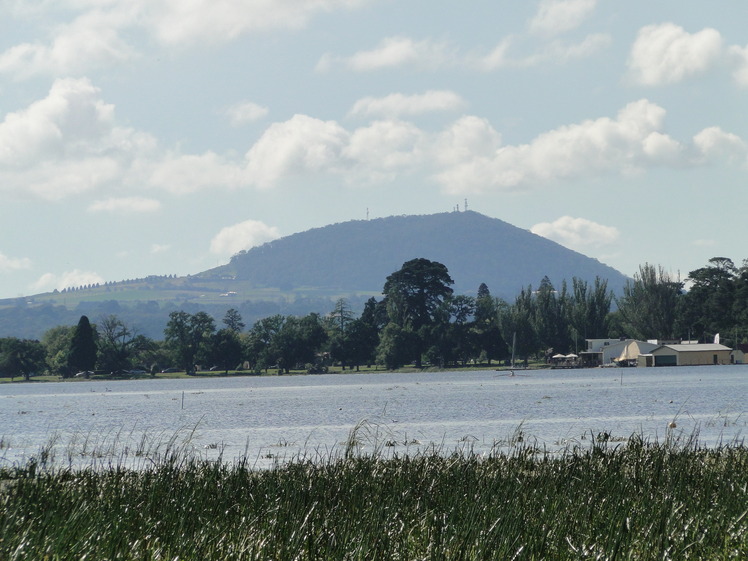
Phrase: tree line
(419, 320)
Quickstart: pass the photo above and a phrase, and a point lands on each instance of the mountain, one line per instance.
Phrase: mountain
(360, 254)
(307, 272)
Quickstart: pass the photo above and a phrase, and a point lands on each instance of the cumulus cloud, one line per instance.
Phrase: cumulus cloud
(397, 104)
(668, 54)
(125, 205)
(739, 57)
(90, 41)
(67, 143)
(177, 22)
(398, 52)
(301, 144)
(393, 52)
(559, 16)
(577, 233)
(100, 33)
(556, 51)
(714, 144)
(245, 112)
(187, 173)
(68, 279)
(55, 125)
(625, 144)
(245, 235)
(159, 248)
(381, 150)
(8, 264)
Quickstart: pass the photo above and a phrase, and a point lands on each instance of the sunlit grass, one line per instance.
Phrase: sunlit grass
(639, 500)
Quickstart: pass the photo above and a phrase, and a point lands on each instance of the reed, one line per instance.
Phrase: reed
(639, 500)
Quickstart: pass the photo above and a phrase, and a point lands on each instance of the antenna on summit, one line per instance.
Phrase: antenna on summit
(465, 205)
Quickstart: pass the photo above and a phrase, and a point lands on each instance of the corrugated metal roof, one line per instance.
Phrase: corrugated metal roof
(702, 347)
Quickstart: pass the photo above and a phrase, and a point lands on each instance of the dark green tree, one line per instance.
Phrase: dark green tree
(396, 346)
(517, 325)
(709, 304)
(258, 345)
(226, 349)
(413, 295)
(338, 323)
(740, 307)
(117, 342)
(549, 317)
(650, 304)
(298, 341)
(186, 335)
(588, 310)
(21, 357)
(83, 348)
(56, 343)
(233, 321)
(488, 340)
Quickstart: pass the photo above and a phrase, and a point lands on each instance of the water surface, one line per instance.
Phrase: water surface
(270, 417)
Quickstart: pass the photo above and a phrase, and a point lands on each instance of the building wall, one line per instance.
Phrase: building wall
(698, 358)
(693, 358)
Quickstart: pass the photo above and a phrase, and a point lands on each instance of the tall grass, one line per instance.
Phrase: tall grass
(642, 500)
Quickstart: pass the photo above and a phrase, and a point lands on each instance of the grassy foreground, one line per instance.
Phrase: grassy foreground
(644, 500)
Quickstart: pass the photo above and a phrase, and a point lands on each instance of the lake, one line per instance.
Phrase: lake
(272, 418)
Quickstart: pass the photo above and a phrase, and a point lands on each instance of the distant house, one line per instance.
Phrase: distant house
(687, 355)
(594, 354)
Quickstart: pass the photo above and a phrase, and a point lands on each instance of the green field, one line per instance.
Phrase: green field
(644, 500)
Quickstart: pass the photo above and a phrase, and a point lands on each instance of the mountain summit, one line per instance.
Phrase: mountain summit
(359, 255)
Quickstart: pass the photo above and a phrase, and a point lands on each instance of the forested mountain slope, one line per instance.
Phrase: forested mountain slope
(358, 255)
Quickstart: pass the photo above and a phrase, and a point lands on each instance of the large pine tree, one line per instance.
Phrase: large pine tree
(82, 355)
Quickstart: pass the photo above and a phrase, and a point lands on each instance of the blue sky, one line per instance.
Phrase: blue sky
(146, 137)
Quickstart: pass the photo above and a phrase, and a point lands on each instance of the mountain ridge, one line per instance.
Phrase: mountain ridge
(360, 254)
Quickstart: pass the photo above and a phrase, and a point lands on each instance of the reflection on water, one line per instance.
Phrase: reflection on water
(274, 417)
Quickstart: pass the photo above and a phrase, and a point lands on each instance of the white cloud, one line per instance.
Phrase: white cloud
(739, 56)
(397, 104)
(245, 235)
(629, 143)
(393, 52)
(68, 279)
(468, 137)
(715, 145)
(383, 149)
(553, 52)
(125, 205)
(90, 41)
(396, 52)
(57, 125)
(703, 242)
(301, 144)
(667, 54)
(67, 143)
(559, 16)
(577, 233)
(8, 264)
(190, 172)
(245, 112)
(159, 248)
(179, 22)
(100, 32)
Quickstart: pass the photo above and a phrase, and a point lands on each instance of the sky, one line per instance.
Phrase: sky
(160, 137)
